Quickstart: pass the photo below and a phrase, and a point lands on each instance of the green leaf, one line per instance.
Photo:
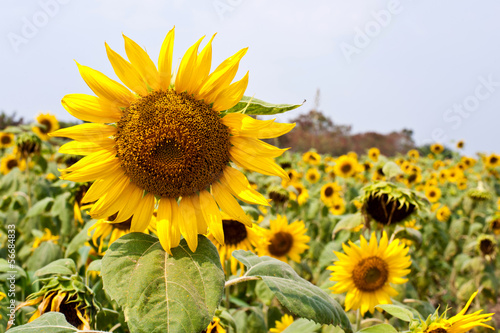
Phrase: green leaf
(40, 207)
(293, 292)
(79, 240)
(327, 256)
(397, 311)
(381, 328)
(50, 322)
(95, 265)
(62, 267)
(302, 326)
(263, 292)
(63, 210)
(160, 292)
(349, 222)
(257, 107)
(391, 170)
(43, 255)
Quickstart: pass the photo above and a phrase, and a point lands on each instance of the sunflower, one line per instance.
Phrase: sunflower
(460, 323)
(486, 245)
(47, 123)
(366, 272)
(215, 326)
(6, 140)
(460, 144)
(437, 164)
(437, 148)
(346, 166)
(313, 175)
(373, 154)
(492, 161)
(312, 158)
(9, 162)
(301, 194)
(237, 236)
(494, 223)
(433, 193)
(414, 154)
(47, 237)
(329, 192)
(284, 240)
(443, 214)
(282, 324)
(171, 146)
(338, 206)
(293, 176)
(462, 184)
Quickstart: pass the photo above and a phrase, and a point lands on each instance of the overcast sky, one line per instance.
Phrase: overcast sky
(430, 66)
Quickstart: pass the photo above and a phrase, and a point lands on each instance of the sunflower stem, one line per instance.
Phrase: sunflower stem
(358, 320)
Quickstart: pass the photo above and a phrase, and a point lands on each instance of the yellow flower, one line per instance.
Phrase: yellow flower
(293, 176)
(48, 124)
(433, 193)
(9, 162)
(443, 214)
(461, 322)
(454, 175)
(237, 236)
(366, 272)
(346, 166)
(301, 195)
(373, 154)
(6, 140)
(284, 240)
(437, 148)
(492, 161)
(338, 206)
(312, 175)
(171, 147)
(330, 192)
(413, 153)
(460, 144)
(312, 158)
(47, 237)
(462, 184)
(215, 326)
(282, 324)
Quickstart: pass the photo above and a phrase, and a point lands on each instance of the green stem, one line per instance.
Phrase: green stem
(358, 320)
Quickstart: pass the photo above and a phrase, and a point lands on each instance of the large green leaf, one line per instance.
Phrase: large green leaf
(62, 266)
(257, 107)
(79, 240)
(50, 322)
(294, 293)
(160, 292)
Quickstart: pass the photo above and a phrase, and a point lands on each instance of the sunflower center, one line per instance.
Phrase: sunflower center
(432, 194)
(486, 246)
(69, 311)
(11, 164)
(280, 244)
(328, 192)
(493, 160)
(47, 126)
(171, 144)
(6, 139)
(346, 168)
(370, 274)
(234, 232)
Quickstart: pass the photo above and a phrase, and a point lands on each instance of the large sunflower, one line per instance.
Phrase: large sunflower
(47, 123)
(365, 272)
(171, 147)
(284, 240)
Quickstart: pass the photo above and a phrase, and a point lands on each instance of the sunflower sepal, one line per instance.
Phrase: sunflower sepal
(254, 106)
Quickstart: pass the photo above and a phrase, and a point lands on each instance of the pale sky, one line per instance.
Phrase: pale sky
(431, 66)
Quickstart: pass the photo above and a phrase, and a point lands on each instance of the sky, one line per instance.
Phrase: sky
(429, 66)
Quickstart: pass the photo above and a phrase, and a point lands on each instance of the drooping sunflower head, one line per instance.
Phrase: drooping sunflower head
(172, 144)
(27, 144)
(6, 139)
(46, 123)
(437, 148)
(278, 195)
(311, 157)
(387, 203)
(10, 162)
(366, 272)
(373, 154)
(479, 193)
(283, 240)
(346, 166)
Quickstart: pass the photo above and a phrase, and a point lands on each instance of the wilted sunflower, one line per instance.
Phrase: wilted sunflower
(373, 154)
(437, 148)
(6, 140)
(313, 175)
(487, 245)
(329, 192)
(237, 236)
(47, 123)
(282, 324)
(460, 323)
(312, 158)
(171, 146)
(346, 166)
(433, 193)
(284, 240)
(443, 214)
(366, 272)
(9, 162)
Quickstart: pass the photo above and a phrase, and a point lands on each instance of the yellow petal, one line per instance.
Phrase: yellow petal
(100, 187)
(131, 195)
(165, 60)
(100, 157)
(164, 223)
(106, 88)
(264, 165)
(143, 213)
(91, 108)
(212, 215)
(126, 72)
(228, 203)
(86, 148)
(231, 95)
(86, 132)
(188, 226)
(141, 61)
(186, 75)
(95, 171)
(256, 147)
(239, 186)
(241, 124)
(203, 63)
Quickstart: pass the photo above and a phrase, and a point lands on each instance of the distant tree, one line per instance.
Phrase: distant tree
(9, 120)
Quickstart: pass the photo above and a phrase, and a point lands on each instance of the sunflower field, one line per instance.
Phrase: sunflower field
(169, 208)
